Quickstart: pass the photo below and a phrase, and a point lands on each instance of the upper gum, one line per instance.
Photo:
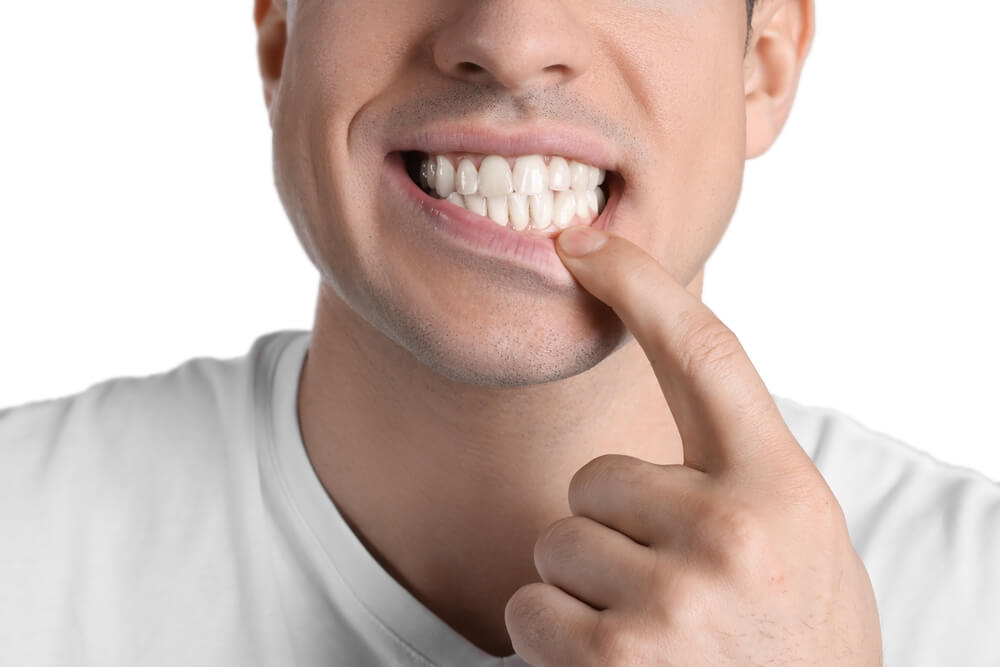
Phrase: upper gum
(477, 158)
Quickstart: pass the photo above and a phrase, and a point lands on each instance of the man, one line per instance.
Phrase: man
(469, 459)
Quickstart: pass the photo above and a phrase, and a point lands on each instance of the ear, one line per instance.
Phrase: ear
(780, 40)
(272, 36)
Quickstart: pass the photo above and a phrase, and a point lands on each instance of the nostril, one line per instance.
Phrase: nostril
(467, 67)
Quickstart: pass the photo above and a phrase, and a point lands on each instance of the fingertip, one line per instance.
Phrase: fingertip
(579, 241)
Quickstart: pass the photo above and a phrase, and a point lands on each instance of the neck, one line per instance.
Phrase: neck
(464, 478)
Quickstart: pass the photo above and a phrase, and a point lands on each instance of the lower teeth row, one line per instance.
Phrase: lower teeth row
(518, 211)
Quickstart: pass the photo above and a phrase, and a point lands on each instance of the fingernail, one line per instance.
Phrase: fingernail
(578, 241)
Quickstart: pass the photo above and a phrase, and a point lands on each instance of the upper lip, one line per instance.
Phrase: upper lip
(577, 144)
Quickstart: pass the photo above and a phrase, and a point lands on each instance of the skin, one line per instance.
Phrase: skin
(447, 402)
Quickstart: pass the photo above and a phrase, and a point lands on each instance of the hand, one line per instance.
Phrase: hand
(739, 556)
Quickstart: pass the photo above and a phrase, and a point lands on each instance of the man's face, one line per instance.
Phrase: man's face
(653, 91)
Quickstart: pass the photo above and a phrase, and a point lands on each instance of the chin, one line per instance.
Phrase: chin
(491, 370)
(496, 359)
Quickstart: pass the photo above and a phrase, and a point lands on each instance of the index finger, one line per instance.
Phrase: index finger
(724, 413)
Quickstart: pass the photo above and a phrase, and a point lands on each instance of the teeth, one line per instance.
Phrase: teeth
(467, 178)
(579, 175)
(532, 194)
(495, 179)
(582, 207)
(444, 176)
(564, 208)
(559, 178)
(517, 206)
(427, 172)
(496, 208)
(541, 209)
(531, 175)
(476, 204)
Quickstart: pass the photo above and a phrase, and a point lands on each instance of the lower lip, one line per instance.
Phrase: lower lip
(471, 232)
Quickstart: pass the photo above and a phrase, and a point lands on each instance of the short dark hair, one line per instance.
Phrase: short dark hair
(750, 5)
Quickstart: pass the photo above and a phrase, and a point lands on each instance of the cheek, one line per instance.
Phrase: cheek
(706, 151)
(325, 180)
(692, 93)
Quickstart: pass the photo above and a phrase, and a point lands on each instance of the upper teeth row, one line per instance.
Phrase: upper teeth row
(495, 178)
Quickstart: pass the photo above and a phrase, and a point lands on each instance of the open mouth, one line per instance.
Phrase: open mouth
(533, 193)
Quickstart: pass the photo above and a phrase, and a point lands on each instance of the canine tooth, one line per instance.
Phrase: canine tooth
(517, 208)
(579, 174)
(495, 179)
(428, 168)
(456, 199)
(496, 208)
(601, 173)
(564, 208)
(594, 176)
(476, 204)
(444, 176)
(600, 200)
(559, 178)
(593, 207)
(531, 175)
(541, 209)
(466, 178)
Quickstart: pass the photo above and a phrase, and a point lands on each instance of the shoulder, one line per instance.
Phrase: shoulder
(927, 531)
(122, 413)
(132, 427)
(129, 502)
(866, 465)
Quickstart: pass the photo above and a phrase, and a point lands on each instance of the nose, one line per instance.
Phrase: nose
(515, 44)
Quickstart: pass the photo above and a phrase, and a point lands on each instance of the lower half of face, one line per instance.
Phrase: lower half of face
(473, 289)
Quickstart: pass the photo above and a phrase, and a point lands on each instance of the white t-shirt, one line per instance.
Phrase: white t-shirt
(176, 520)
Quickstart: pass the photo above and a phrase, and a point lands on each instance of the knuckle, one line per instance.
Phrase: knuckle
(682, 590)
(673, 592)
(610, 465)
(734, 533)
(612, 644)
(665, 578)
(524, 601)
(600, 471)
(705, 342)
(532, 620)
(559, 541)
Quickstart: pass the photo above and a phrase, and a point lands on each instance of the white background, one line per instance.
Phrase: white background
(139, 226)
